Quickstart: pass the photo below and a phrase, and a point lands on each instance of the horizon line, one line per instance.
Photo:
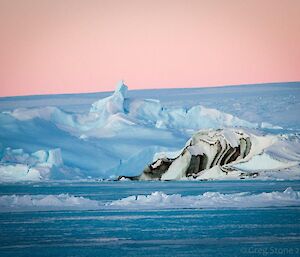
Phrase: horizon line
(145, 89)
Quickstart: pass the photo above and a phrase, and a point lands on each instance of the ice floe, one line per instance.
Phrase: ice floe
(155, 200)
(46, 202)
(288, 197)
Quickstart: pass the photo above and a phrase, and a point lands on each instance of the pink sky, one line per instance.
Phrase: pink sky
(72, 46)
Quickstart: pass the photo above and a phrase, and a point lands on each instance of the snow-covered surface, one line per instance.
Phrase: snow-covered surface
(46, 202)
(107, 135)
(17, 165)
(230, 153)
(19, 172)
(155, 200)
(289, 197)
(116, 114)
(263, 162)
(177, 168)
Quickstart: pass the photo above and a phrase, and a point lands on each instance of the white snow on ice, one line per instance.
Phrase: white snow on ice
(45, 202)
(289, 197)
(118, 114)
(156, 200)
(17, 165)
(119, 135)
(18, 172)
(268, 155)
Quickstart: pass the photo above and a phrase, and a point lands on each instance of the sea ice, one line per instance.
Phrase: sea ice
(119, 134)
(213, 200)
(155, 200)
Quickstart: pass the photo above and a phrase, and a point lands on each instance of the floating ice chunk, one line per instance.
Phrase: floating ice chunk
(293, 194)
(205, 150)
(124, 179)
(214, 200)
(230, 153)
(155, 200)
(46, 202)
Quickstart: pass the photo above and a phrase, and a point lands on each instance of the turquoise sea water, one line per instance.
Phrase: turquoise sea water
(152, 232)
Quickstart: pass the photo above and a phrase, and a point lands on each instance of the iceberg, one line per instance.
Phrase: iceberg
(118, 134)
(219, 154)
(114, 114)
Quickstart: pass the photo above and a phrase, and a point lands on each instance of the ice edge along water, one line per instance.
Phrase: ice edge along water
(123, 133)
(155, 200)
